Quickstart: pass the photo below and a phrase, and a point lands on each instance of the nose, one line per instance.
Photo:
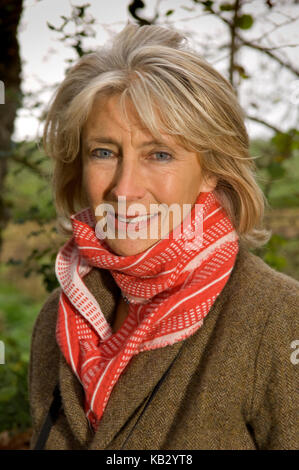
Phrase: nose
(128, 180)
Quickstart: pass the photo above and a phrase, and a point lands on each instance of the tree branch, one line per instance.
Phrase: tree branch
(276, 27)
(270, 54)
(233, 26)
(259, 48)
(29, 165)
(267, 124)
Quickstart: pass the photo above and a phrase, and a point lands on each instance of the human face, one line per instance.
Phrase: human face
(123, 160)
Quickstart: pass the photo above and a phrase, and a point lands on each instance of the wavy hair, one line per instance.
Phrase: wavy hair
(174, 90)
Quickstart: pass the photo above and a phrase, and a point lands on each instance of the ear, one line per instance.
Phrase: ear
(208, 183)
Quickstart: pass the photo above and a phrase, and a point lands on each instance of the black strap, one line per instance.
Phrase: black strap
(49, 420)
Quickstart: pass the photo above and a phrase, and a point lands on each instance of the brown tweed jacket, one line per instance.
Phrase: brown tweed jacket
(234, 385)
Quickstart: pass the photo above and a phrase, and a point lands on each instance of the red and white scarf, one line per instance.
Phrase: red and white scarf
(175, 280)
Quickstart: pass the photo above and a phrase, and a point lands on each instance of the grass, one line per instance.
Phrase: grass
(17, 314)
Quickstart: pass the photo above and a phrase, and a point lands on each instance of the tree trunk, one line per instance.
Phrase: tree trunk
(10, 69)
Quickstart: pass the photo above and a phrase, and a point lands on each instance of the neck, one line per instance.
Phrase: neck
(121, 313)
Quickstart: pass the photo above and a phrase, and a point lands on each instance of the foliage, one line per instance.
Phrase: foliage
(278, 175)
(14, 405)
(81, 23)
(29, 197)
(278, 168)
(16, 320)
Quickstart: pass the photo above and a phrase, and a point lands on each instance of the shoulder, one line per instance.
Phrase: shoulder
(258, 303)
(271, 300)
(43, 348)
(46, 319)
(255, 283)
(44, 359)
(272, 297)
(259, 326)
(44, 326)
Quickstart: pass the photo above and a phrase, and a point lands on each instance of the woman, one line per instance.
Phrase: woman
(165, 332)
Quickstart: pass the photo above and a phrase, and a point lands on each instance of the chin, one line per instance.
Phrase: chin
(129, 247)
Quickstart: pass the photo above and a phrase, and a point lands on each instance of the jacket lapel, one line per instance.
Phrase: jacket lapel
(144, 371)
(131, 391)
(72, 396)
(106, 292)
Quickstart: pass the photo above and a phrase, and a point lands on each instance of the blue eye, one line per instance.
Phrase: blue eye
(169, 157)
(103, 154)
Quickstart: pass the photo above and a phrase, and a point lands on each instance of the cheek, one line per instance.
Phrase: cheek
(95, 183)
(180, 186)
(192, 184)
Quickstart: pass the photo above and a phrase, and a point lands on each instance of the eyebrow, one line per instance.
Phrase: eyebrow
(110, 140)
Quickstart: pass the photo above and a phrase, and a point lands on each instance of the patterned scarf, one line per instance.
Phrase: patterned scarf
(174, 283)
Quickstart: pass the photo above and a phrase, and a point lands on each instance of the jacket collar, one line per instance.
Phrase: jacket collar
(145, 369)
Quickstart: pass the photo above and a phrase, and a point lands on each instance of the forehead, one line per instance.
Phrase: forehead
(106, 117)
(107, 111)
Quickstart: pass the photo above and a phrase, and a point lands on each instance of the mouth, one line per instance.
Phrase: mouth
(133, 218)
(121, 222)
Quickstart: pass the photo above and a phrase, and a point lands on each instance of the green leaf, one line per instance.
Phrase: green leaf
(282, 141)
(169, 12)
(295, 139)
(50, 26)
(7, 393)
(244, 75)
(275, 261)
(276, 170)
(244, 21)
(226, 7)
(208, 5)
(241, 70)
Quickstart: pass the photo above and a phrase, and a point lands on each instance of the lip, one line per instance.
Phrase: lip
(131, 216)
(113, 219)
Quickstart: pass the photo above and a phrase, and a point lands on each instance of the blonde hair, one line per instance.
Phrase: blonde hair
(174, 90)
